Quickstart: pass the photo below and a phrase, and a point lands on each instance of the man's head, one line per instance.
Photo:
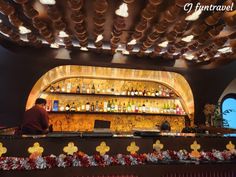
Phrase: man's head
(40, 102)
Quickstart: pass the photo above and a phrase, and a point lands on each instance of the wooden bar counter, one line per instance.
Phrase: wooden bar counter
(91, 144)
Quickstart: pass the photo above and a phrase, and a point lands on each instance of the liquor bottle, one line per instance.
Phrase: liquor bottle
(87, 106)
(68, 87)
(79, 107)
(140, 92)
(98, 89)
(136, 92)
(105, 106)
(72, 108)
(78, 89)
(120, 107)
(83, 88)
(96, 107)
(128, 92)
(124, 108)
(136, 107)
(144, 92)
(157, 93)
(112, 89)
(129, 109)
(167, 92)
(112, 106)
(153, 92)
(92, 107)
(67, 107)
(93, 89)
(52, 89)
(177, 109)
(148, 93)
(116, 106)
(160, 90)
(58, 88)
(140, 108)
(109, 106)
(132, 106)
(132, 92)
(101, 108)
(143, 108)
(88, 90)
(63, 88)
(83, 106)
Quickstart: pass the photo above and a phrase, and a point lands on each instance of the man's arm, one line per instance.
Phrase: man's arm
(44, 119)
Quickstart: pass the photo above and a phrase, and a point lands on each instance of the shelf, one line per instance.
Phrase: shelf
(115, 113)
(112, 95)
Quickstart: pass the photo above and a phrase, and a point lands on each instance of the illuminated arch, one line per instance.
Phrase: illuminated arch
(173, 80)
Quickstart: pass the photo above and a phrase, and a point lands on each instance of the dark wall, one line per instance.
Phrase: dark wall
(20, 68)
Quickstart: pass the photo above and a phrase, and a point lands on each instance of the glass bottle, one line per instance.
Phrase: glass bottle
(58, 89)
(132, 92)
(87, 106)
(101, 108)
(109, 106)
(129, 109)
(83, 106)
(79, 107)
(67, 108)
(98, 89)
(96, 107)
(143, 108)
(93, 89)
(92, 107)
(72, 108)
(78, 89)
(119, 107)
(83, 88)
(105, 106)
(124, 108)
(52, 89)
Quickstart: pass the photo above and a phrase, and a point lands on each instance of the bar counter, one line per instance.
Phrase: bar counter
(88, 143)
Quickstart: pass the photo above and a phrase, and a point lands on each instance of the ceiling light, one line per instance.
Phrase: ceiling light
(225, 50)
(54, 45)
(24, 30)
(188, 38)
(48, 2)
(63, 34)
(99, 38)
(24, 38)
(132, 42)
(0, 20)
(194, 16)
(148, 51)
(217, 55)
(4, 34)
(189, 56)
(163, 44)
(125, 52)
(84, 48)
(123, 10)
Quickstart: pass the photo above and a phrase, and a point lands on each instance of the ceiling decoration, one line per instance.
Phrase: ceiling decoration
(153, 28)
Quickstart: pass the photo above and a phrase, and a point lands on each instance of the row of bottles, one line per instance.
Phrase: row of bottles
(91, 89)
(114, 106)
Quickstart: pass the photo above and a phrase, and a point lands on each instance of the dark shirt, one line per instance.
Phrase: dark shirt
(35, 121)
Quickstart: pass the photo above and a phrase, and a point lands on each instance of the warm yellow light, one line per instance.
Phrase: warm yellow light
(194, 16)
(188, 38)
(123, 10)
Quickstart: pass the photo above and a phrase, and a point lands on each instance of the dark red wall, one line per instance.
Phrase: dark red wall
(20, 68)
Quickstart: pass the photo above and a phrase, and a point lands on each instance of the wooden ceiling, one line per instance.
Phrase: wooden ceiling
(153, 28)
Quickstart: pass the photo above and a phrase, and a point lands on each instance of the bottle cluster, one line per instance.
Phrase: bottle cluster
(160, 91)
(130, 106)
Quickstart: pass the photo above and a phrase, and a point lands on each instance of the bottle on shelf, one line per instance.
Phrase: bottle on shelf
(96, 107)
(144, 92)
(87, 106)
(116, 106)
(112, 106)
(129, 108)
(77, 89)
(112, 89)
(140, 92)
(52, 89)
(136, 107)
(58, 88)
(67, 108)
(72, 108)
(88, 90)
(92, 107)
(93, 89)
(105, 105)
(143, 108)
(79, 107)
(136, 92)
(68, 87)
(83, 106)
(83, 88)
(120, 107)
(132, 106)
(98, 89)
(128, 92)
(109, 106)
(124, 108)
(132, 92)
(101, 107)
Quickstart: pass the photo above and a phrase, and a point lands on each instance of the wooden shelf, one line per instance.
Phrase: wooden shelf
(112, 95)
(115, 113)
